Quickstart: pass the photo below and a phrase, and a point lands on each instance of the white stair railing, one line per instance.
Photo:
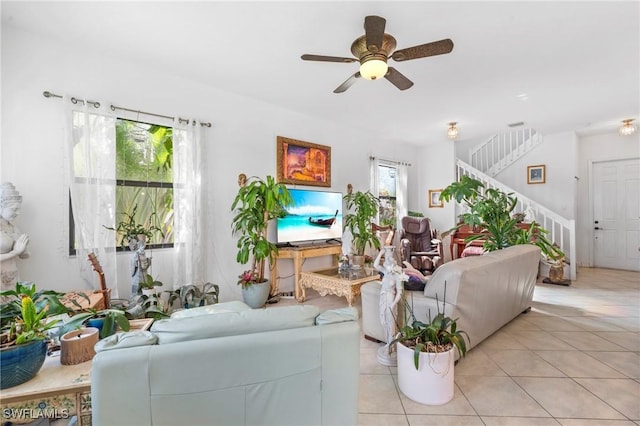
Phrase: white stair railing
(562, 231)
(503, 149)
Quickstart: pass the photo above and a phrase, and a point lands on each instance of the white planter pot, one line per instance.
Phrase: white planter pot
(149, 292)
(432, 383)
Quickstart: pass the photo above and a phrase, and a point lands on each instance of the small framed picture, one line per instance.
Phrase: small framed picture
(434, 198)
(536, 174)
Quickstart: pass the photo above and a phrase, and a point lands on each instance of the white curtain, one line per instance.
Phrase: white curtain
(90, 136)
(373, 176)
(401, 185)
(402, 171)
(187, 201)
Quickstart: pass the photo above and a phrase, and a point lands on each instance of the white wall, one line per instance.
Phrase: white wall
(591, 149)
(242, 140)
(557, 153)
(567, 192)
(437, 171)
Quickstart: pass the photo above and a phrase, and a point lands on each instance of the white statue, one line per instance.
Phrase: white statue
(390, 295)
(347, 242)
(140, 263)
(13, 243)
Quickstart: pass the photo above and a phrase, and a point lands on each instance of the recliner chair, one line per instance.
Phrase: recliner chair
(419, 244)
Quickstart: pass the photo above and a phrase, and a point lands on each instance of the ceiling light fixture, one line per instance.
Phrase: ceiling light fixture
(627, 129)
(373, 68)
(452, 132)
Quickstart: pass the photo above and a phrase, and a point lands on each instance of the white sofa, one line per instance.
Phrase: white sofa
(231, 365)
(483, 292)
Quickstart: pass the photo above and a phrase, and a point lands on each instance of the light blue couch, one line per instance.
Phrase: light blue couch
(231, 365)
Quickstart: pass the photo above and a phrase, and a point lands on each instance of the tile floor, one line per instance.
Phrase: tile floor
(573, 360)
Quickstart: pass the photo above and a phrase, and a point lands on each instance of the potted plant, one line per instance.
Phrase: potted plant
(130, 229)
(148, 287)
(256, 204)
(105, 320)
(363, 208)
(489, 211)
(25, 330)
(191, 296)
(136, 236)
(425, 353)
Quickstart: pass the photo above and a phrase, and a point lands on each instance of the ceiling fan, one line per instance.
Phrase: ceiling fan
(374, 48)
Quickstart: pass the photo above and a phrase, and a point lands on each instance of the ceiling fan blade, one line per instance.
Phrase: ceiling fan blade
(348, 83)
(422, 51)
(374, 32)
(398, 79)
(327, 58)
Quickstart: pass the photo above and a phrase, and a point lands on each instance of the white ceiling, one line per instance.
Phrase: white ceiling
(557, 66)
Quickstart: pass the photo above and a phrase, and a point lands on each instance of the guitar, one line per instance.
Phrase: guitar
(106, 292)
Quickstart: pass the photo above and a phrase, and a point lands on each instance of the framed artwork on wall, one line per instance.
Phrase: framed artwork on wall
(434, 198)
(303, 163)
(536, 174)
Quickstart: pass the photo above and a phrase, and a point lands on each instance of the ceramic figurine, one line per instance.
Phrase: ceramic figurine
(13, 243)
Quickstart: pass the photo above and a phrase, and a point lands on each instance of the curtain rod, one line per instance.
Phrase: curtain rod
(48, 94)
(400, 163)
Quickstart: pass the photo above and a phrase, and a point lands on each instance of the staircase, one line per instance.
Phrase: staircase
(562, 231)
(502, 149)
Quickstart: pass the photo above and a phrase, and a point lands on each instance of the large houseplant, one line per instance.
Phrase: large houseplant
(258, 202)
(25, 330)
(425, 352)
(490, 211)
(362, 208)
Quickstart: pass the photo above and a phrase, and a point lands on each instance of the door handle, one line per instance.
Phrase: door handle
(597, 227)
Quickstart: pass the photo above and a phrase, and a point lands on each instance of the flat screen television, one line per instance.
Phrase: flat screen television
(314, 215)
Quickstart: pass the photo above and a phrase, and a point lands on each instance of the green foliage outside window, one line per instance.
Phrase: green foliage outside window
(145, 176)
(387, 195)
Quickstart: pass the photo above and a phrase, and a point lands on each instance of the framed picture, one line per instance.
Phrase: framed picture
(536, 174)
(434, 198)
(303, 163)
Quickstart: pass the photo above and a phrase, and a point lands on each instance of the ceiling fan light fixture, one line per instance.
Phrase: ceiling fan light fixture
(627, 128)
(452, 132)
(373, 69)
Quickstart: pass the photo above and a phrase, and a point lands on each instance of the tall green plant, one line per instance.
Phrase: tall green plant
(257, 203)
(491, 210)
(363, 208)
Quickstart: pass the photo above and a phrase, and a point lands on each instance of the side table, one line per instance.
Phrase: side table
(56, 392)
(298, 254)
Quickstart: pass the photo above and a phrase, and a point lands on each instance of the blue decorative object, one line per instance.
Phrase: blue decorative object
(98, 323)
(21, 363)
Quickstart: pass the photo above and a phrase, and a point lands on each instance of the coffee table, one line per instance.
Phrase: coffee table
(340, 283)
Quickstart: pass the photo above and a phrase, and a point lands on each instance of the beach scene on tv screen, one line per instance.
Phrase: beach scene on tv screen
(314, 215)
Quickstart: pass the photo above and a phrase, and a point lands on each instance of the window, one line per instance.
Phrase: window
(387, 193)
(144, 176)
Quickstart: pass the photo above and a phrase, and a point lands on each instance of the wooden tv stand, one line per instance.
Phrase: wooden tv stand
(298, 254)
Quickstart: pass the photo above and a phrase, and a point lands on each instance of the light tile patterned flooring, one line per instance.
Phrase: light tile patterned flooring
(573, 360)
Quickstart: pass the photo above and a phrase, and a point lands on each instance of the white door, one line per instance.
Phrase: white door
(616, 214)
